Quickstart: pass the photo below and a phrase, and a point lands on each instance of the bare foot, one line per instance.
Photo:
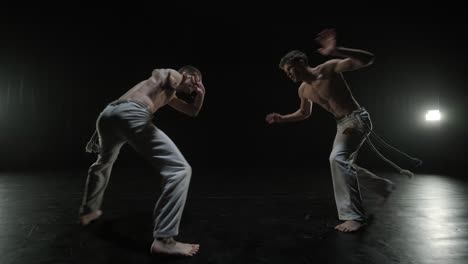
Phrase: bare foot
(349, 226)
(88, 218)
(172, 247)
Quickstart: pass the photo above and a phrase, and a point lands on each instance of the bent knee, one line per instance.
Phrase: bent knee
(184, 170)
(187, 170)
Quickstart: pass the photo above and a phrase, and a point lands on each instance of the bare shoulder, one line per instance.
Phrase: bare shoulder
(160, 73)
(172, 71)
(328, 65)
(328, 68)
(161, 76)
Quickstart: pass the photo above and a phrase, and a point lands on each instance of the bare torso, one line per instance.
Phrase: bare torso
(156, 91)
(329, 91)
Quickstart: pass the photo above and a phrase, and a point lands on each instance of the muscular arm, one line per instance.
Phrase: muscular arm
(193, 108)
(352, 59)
(189, 109)
(302, 113)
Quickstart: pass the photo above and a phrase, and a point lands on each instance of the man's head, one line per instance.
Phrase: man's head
(294, 64)
(191, 71)
(190, 76)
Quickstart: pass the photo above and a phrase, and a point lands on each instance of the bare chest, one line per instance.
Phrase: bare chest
(317, 91)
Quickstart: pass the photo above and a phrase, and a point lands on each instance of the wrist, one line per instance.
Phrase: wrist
(280, 119)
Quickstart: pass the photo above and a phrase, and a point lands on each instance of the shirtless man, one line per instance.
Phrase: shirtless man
(129, 120)
(326, 86)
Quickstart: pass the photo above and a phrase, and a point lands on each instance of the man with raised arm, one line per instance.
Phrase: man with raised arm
(325, 85)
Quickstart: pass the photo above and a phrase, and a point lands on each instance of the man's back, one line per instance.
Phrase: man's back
(156, 91)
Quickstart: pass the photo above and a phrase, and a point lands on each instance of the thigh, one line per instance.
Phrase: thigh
(157, 147)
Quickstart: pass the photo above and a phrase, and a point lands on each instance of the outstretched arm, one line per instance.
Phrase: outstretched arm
(302, 113)
(352, 59)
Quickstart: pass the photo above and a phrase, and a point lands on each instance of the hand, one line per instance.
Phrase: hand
(273, 118)
(199, 87)
(327, 39)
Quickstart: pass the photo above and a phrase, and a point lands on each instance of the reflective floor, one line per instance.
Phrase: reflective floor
(238, 216)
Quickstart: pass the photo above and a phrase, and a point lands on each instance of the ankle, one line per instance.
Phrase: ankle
(166, 240)
(91, 212)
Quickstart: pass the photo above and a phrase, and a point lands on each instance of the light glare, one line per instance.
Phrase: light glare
(433, 115)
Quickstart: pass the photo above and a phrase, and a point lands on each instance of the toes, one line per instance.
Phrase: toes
(346, 228)
(194, 249)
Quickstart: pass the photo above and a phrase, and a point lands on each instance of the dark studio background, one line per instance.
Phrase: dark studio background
(58, 71)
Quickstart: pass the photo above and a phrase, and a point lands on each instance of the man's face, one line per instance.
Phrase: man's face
(295, 71)
(188, 82)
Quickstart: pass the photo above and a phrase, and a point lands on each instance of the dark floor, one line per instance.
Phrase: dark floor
(238, 216)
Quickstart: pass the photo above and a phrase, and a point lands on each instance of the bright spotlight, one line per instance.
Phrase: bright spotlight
(433, 115)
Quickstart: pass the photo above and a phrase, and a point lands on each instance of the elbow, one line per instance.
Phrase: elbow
(196, 110)
(369, 60)
(364, 62)
(305, 115)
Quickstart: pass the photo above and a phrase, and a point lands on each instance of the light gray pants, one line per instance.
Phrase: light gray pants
(345, 173)
(129, 121)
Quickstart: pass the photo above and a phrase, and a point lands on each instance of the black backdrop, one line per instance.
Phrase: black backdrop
(57, 71)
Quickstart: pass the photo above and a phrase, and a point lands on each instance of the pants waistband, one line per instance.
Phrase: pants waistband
(356, 112)
(114, 103)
